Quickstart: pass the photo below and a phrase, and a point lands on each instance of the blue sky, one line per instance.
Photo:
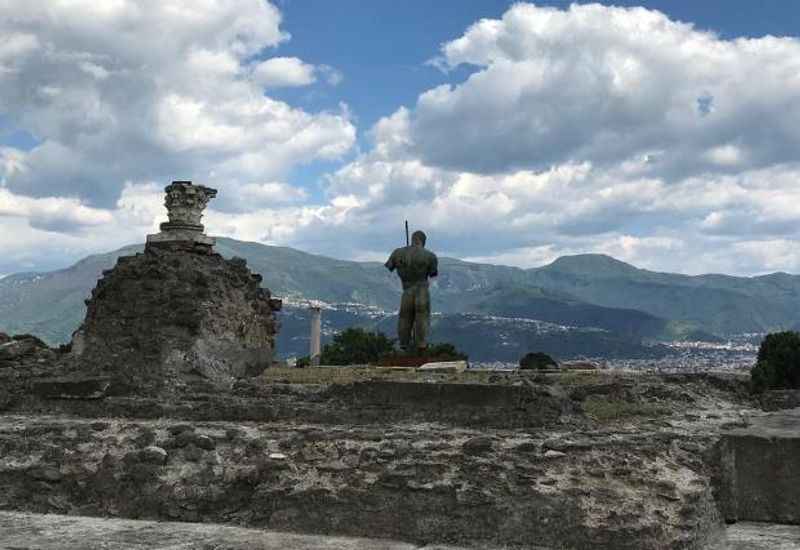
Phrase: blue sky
(662, 133)
(383, 46)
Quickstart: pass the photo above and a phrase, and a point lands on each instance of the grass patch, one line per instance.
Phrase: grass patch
(604, 409)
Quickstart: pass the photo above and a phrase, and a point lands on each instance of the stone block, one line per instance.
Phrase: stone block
(761, 469)
(776, 400)
(478, 445)
(181, 236)
(153, 455)
(72, 388)
(444, 366)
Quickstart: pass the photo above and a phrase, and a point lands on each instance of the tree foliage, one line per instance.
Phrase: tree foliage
(778, 365)
(355, 346)
(537, 360)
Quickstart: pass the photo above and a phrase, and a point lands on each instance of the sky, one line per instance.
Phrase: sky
(664, 134)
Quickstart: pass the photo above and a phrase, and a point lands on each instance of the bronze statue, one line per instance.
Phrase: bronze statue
(414, 265)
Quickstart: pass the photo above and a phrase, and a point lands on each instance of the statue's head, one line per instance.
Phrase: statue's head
(418, 238)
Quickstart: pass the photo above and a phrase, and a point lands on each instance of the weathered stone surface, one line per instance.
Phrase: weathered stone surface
(511, 406)
(478, 445)
(185, 204)
(762, 536)
(153, 455)
(776, 400)
(24, 349)
(178, 315)
(167, 318)
(444, 366)
(58, 532)
(24, 359)
(75, 387)
(322, 458)
(418, 483)
(550, 453)
(762, 469)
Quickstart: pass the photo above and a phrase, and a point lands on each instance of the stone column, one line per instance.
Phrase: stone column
(316, 335)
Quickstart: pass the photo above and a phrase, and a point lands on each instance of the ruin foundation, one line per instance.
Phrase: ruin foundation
(177, 314)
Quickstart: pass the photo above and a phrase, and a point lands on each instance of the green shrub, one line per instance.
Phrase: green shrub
(778, 365)
(355, 346)
(537, 360)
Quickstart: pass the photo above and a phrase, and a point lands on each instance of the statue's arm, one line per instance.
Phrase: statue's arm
(390, 263)
(433, 271)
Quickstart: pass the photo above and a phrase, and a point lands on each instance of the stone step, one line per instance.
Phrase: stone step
(468, 404)
(58, 532)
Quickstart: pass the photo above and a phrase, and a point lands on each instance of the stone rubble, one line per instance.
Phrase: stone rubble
(313, 463)
(178, 314)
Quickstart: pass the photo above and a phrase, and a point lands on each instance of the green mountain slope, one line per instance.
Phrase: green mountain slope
(51, 304)
(585, 292)
(719, 304)
(553, 307)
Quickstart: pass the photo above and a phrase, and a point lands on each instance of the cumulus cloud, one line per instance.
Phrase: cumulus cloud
(587, 129)
(593, 129)
(38, 233)
(331, 75)
(603, 84)
(129, 90)
(283, 71)
(52, 213)
(289, 72)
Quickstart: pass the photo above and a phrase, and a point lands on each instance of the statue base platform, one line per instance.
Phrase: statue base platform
(444, 366)
(422, 362)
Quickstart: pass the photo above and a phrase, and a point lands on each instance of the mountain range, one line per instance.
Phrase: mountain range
(585, 305)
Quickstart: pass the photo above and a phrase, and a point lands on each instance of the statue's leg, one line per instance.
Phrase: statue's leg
(422, 317)
(405, 318)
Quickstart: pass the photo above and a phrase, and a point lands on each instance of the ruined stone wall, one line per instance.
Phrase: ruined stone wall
(176, 313)
(422, 483)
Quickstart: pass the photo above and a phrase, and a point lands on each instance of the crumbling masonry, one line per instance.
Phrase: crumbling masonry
(179, 313)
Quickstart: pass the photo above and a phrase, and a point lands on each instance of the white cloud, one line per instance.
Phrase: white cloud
(52, 213)
(592, 129)
(589, 129)
(278, 72)
(332, 75)
(272, 193)
(609, 84)
(12, 161)
(152, 90)
(725, 155)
